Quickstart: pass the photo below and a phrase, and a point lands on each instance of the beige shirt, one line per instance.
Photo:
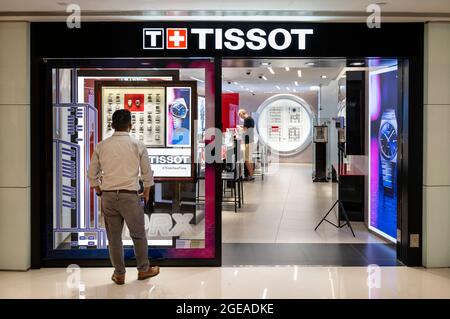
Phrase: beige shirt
(117, 163)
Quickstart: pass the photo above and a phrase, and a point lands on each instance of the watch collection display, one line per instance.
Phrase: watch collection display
(147, 117)
(285, 124)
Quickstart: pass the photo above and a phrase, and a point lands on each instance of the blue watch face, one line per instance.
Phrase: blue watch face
(179, 110)
(388, 141)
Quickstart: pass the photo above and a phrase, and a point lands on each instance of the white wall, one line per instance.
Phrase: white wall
(14, 146)
(436, 172)
(329, 109)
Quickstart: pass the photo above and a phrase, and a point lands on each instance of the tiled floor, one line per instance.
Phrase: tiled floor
(261, 254)
(230, 282)
(285, 208)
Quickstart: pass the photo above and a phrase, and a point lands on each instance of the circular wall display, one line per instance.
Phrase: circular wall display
(285, 124)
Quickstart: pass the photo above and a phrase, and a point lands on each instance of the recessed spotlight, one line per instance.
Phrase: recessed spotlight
(296, 83)
(287, 69)
(323, 76)
(271, 70)
(265, 63)
(299, 73)
(277, 87)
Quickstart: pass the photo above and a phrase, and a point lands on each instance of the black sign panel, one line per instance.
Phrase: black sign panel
(242, 39)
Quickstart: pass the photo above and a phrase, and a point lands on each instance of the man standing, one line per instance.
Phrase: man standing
(114, 173)
(249, 126)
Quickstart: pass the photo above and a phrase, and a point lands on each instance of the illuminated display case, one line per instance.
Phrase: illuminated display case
(285, 124)
(162, 115)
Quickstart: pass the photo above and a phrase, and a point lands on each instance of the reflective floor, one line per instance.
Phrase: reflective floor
(229, 282)
(285, 208)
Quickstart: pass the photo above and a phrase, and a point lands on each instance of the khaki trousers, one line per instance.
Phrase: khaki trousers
(117, 208)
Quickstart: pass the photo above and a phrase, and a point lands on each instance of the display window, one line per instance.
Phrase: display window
(165, 117)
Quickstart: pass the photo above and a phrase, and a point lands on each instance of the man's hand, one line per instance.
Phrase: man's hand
(98, 190)
(146, 194)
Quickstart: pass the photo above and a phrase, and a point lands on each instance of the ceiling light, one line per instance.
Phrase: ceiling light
(296, 83)
(299, 72)
(323, 76)
(287, 69)
(235, 83)
(277, 87)
(271, 70)
(357, 63)
(314, 88)
(228, 91)
(265, 63)
(287, 88)
(310, 63)
(264, 78)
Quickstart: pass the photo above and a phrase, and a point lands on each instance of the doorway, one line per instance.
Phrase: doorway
(297, 174)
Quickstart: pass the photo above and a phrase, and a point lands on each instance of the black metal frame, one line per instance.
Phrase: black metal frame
(341, 151)
(95, 40)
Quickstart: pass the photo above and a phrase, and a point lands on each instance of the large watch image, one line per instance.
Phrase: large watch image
(179, 111)
(388, 144)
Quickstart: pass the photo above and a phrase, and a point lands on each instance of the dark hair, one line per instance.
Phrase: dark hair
(121, 120)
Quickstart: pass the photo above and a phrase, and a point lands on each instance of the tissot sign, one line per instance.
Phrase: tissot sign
(234, 39)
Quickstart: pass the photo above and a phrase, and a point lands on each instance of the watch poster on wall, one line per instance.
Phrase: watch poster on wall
(384, 116)
(178, 112)
(162, 116)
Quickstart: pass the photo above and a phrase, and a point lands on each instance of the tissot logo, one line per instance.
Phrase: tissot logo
(235, 39)
(176, 38)
(153, 38)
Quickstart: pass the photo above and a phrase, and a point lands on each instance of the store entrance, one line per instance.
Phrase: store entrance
(307, 114)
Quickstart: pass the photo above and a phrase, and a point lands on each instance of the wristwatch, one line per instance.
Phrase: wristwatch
(179, 111)
(387, 140)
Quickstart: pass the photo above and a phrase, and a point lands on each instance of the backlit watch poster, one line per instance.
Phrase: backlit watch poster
(383, 110)
(178, 114)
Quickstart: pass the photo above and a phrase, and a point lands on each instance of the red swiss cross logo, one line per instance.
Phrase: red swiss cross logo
(176, 38)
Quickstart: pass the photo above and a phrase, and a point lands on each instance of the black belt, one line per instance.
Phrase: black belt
(121, 191)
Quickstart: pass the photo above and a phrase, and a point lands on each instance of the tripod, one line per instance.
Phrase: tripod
(341, 150)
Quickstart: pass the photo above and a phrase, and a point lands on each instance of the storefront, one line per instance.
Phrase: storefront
(79, 76)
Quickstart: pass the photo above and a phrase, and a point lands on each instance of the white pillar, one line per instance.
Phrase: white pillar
(14, 146)
(436, 169)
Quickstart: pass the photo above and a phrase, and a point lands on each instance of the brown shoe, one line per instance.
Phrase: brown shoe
(118, 279)
(151, 272)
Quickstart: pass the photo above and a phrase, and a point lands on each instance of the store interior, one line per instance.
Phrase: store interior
(296, 186)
